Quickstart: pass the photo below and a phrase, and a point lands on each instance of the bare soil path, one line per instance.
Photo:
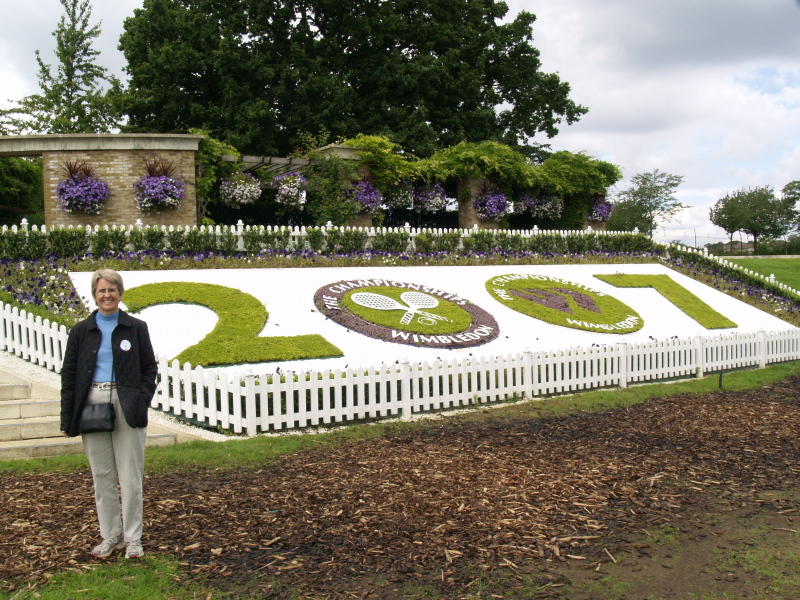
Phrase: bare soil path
(661, 500)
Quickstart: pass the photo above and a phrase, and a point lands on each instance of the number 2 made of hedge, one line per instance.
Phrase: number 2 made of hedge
(234, 340)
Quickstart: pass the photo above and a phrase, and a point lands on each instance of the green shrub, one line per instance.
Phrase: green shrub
(277, 241)
(36, 246)
(315, 239)
(390, 241)
(333, 240)
(108, 240)
(447, 242)
(423, 242)
(177, 241)
(625, 242)
(228, 241)
(253, 239)
(483, 240)
(68, 242)
(200, 240)
(14, 243)
(353, 240)
(578, 243)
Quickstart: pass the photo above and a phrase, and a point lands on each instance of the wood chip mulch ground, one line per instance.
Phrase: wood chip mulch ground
(437, 505)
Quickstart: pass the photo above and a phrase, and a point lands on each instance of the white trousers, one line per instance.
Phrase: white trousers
(117, 456)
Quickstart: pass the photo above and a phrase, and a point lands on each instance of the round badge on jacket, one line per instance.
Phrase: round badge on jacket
(125, 345)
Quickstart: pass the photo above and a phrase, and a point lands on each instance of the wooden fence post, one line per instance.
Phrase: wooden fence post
(250, 422)
(623, 364)
(407, 401)
(699, 356)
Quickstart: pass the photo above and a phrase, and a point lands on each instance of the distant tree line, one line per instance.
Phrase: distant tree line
(759, 212)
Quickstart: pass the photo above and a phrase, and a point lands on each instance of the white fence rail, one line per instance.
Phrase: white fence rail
(298, 235)
(732, 265)
(264, 402)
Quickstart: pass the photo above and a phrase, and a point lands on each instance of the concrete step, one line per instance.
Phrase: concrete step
(23, 409)
(14, 391)
(38, 448)
(30, 428)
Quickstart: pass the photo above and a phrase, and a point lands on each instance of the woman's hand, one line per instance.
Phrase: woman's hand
(65, 434)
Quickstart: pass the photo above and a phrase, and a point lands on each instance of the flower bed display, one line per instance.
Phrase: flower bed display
(561, 302)
(234, 339)
(677, 294)
(406, 313)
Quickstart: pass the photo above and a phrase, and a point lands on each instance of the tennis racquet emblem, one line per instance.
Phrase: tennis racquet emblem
(414, 303)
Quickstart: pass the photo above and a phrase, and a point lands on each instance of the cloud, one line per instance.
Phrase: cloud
(707, 90)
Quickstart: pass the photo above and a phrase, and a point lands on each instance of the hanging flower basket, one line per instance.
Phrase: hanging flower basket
(490, 204)
(400, 195)
(430, 199)
(366, 196)
(239, 189)
(159, 190)
(291, 188)
(600, 212)
(542, 207)
(81, 191)
(159, 193)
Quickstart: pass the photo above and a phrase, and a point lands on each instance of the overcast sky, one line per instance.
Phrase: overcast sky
(706, 89)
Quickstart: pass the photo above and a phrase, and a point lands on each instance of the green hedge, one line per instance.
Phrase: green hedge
(68, 242)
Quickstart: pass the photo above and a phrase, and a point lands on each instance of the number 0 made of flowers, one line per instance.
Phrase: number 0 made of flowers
(234, 340)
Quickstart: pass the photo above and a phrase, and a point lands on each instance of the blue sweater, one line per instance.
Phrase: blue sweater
(104, 368)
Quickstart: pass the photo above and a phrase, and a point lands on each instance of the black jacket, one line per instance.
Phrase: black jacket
(135, 369)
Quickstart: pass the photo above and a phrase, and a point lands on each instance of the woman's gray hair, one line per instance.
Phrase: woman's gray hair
(111, 277)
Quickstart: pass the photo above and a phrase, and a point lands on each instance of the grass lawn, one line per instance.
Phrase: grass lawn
(786, 270)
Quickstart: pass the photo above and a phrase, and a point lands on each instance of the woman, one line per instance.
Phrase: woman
(109, 358)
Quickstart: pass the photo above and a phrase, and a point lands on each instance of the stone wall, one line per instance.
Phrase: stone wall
(120, 169)
(116, 159)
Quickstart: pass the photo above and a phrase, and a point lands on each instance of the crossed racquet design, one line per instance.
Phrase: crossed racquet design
(414, 301)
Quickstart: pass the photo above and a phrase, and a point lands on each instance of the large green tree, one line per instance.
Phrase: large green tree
(791, 196)
(728, 214)
(21, 192)
(79, 96)
(259, 73)
(759, 212)
(648, 201)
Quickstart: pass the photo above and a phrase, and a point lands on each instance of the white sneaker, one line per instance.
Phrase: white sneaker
(105, 548)
(134, 549)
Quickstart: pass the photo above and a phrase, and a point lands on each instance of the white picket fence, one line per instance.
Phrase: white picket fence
(726, 263)
(297, 235)
(262, 402)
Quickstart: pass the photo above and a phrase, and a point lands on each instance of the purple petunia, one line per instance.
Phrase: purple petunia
(430, 198)
(490, 204)
(365, 194)
(600, 212)
(159, 192)
(542, 206)
(291, 188)
(78, 193)
(240, 188)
